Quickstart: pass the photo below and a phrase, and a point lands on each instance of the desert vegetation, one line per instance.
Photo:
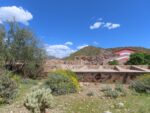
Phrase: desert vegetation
(20, 51)
(39, 100)
(142, 84)
(24, 89)
(34, 97)
(139, 59)
(62, 82)
(8, 88)
(114, 62)
(38, 96)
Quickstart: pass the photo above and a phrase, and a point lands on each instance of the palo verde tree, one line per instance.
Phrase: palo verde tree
(22, 51)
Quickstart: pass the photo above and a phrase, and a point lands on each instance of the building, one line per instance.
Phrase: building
(123, 55)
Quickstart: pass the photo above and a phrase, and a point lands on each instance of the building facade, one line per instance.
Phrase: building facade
(123, 55)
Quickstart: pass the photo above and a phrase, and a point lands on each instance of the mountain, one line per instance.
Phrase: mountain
(90, 51)
(96, 51)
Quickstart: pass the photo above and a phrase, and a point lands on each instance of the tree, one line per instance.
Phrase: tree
(139, 59)
(22, 51)
(2, 35)
(147, 59)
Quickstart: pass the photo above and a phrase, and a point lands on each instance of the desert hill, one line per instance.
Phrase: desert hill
(102, 52)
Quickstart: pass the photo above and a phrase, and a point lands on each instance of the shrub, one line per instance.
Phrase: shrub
(28, 81)
(66, 73)
(72, 76)
(114, 93)
(106, 88)
(111, 93)
(90, 94)
(60, 82)
(8, 90)
(114, 62)
(139, 59)
(16, 78)
(39, 100)
(119, 88)
(142, 84)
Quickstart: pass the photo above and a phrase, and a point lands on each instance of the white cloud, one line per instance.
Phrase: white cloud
(11, 13)
(96, 25)
(110, 25)
(59, 51)
(82, 46)
(102, 24)
(69, 43)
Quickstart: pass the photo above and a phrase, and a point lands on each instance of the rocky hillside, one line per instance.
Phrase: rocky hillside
(95, 51)
(90, 51)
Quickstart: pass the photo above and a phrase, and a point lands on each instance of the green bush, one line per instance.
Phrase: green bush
(39, 100)
(106, 88)
(66, 73)
(121, 90)
(114, 93)
(114, 62)
(8, 89)
(141, 84)
(90, 94)
(62, 82)
(139, 59)
(15, 77)
(119, 87)
(111, 93)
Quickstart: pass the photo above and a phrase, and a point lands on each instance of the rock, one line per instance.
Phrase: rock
(107, 112)
(120, 105)
(81, 84)
(86, 84)
(112, 106)
(102, 97)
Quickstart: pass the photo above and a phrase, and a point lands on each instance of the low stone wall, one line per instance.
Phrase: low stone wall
(101, 73)
(108, 77)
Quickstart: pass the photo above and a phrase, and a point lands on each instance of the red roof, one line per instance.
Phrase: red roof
(124, 49)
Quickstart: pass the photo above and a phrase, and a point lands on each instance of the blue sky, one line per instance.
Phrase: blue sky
(64, 26)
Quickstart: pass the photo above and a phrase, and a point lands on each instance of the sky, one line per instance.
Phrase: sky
(65, 26)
